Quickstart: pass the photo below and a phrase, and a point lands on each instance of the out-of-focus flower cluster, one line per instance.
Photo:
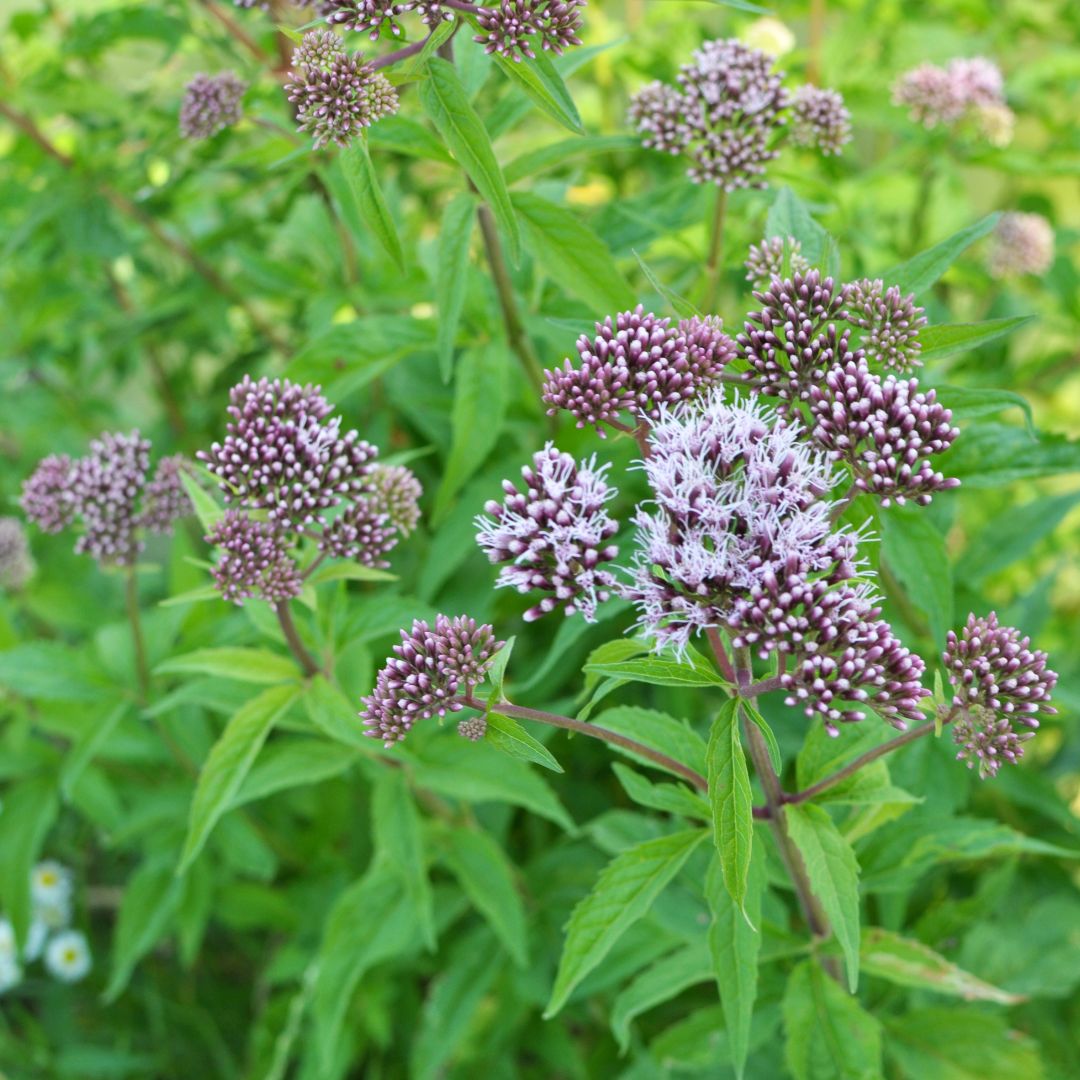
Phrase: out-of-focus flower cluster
(999, 682)
(16, 565)
(510, 28)
(964, 90)
(110, 494)
(1021, 244)
(727, 111)
(289, 475)
(433, 668)
(211, 104)
(337, 95)
(776, 257)
(51, 939)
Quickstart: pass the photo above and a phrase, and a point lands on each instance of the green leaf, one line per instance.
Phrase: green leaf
(151, 899)
(822, 755)
(789, 216)
(334, 715)
(869, 786)
(368, 199)
(496, 676)
(368, 923)
(734, 948)
(293, 763)
(507, 735)
(915, 552)
(447, 104)
(906, 962)
(487, 878)
(86, 748)
(451, 274)
(347, 571)
(49, 671)
(731, 801)
(554, 155)
(399, 840)
(403, 135)
(939, 342)
(659, 671)
(970, 403)
(572, 255)
(919, 273)
(623, 893)
(960, 1044)
(658, 731)
(659, 982)
(992, 455)
(834, 876)
(207, 510)
(681, 306)
(479, 404)
(754, 717)
(228, 764)
(244, 665)
(829, 1035)
(670, 798)
(544, 85)
(30, 808)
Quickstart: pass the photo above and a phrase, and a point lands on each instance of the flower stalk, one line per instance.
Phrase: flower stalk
(292, 638)
(142, 668)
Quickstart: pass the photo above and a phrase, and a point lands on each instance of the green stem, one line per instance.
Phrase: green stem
(716, 251)
(292, 638)
(922, 206)
(142, 669)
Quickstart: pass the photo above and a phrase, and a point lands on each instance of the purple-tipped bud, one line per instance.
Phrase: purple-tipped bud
(987, 741)
(335, 93)
(47, 499)
(820, 119)
(554, 534)
(253, 560)
(16, 565)
(890, 322)
(767, 260)
(367, 16)
(886, 430)
(1022, 244)
(211, 104)
(165, 500)
(657, 111)
(512, 28)
(432, 669)
(396, 492)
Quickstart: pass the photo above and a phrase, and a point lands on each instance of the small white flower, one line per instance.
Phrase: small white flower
(50, 883)
(769, 35)
(10, 973)
(7, 940)
(67, 957)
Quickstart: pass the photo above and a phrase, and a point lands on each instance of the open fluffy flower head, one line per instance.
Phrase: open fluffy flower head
(1021, 244)
(637, 362)
(819, 118)
(336, 94)
(211, 104)
(778, 257)
(793, 341)
(284, 454)
(47, 498)
(67, 956)
(553, 534)
(886, 430)
(431, 668)
(890, 323)
(16, 565)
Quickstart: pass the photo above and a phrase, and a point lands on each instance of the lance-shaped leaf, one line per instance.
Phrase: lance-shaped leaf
(731, 801)
(244, 665)
(920, 272)
(451, 274)
(623, 893)
(363, 187)
(834, 876)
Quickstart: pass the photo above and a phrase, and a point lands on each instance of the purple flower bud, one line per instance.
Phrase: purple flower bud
(656, 110)
(473, 729)
(395, 492)
(367, 16)
(336, 94)
(820, 119)
(935, 95)
(211, 104)
(891, 323)
(362, 532)
(253, 560)
(792, 341)
(992, 666)
(554, 534)
(16, 565)
(766, 260)
(432, 669)
(165, 500)
(988, 741)
(47, 499)
(885, 430)
(509, 27)
(639, 363)
(1022, 244)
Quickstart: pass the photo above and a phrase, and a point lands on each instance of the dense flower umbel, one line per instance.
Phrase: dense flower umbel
(885, 430)
(767, 260)
(638, 363)
(395, 492)
(432, 668)
(890, 322)
(253, 560)
(961, 90)
(987, 741)
(16, 565)
(211, 104)
(820, 119)
(165, 500)
(47, 498)
(1021, 244)
(792, 341)
(336, 94)
(554, 534)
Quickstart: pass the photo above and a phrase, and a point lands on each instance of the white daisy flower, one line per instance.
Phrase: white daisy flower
(50, 884)
(10, 973)
(67, 957)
